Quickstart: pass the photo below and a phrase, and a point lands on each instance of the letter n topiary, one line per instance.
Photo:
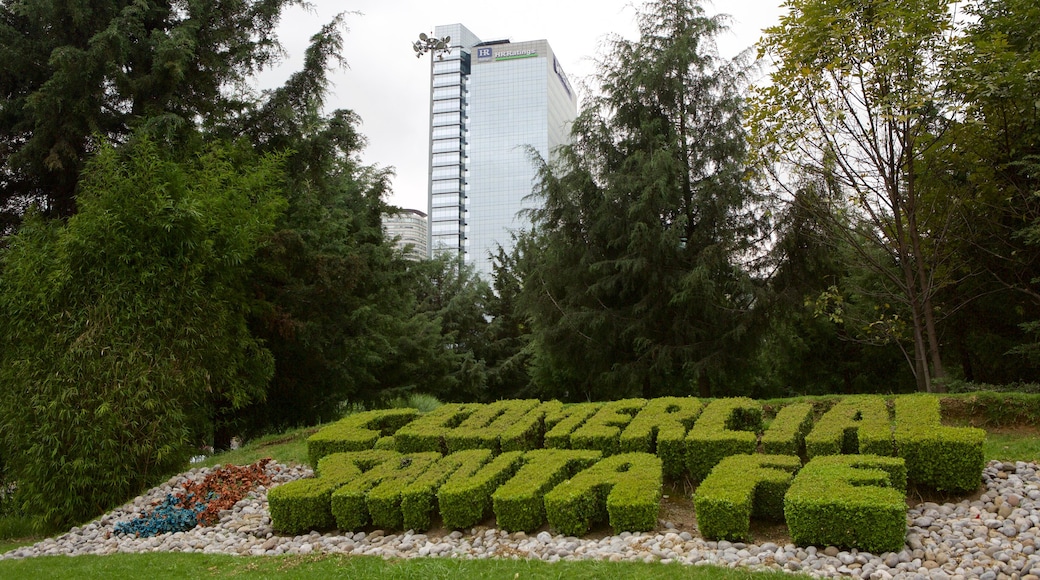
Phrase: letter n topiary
(427, 433)
(623, 489)
(419, 498)
(465, 499)
(742, 486)
(852, 501)
(519, 503)
(484, 428)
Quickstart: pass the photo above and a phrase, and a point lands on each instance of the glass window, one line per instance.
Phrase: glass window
(443, 66)
(448, 172)
(447, 105)
(446, 131)
(450, 158)
(450, 118)
(445, 212)
(445, 227)
(446, 199)
(443, 145)
(447, 93)
(446, 186)
(447, 80)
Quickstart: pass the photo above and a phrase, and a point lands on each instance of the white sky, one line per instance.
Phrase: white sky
(389, 87)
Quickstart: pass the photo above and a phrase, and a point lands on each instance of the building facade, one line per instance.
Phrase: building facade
(492, 105)
(409, 230)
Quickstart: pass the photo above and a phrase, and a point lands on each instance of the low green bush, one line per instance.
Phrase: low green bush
(623, 489)
(357, 432)
(306, 504)
(483, 428)
(742, 486)
(427, 433)
(518, 504)
(602, 431)
(527, 432)
(419, 498)
(375, 496)
(726, 427)
(566, 420)
(786, 434)
(851, 501)
(661, 427)
(465, 499)
(858, 424)
(943, 458)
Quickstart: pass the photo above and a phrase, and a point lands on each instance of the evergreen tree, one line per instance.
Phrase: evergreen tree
(636, 279)
(79, 74)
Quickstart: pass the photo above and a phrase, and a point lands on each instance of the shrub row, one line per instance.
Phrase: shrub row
(690, 438)
(742, 486)
(944, 458)
(391, 490)
(854, 501)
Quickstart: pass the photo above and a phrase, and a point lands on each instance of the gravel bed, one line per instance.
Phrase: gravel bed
(991, 538)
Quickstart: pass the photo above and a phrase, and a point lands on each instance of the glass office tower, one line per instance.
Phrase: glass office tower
(491, 104)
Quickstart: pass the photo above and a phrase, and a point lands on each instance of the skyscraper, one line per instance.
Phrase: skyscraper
(490, 102)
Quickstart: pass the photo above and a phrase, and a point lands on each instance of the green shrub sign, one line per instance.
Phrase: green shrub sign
(529, 463)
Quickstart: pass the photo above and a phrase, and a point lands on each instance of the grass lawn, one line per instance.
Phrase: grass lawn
(175, 565)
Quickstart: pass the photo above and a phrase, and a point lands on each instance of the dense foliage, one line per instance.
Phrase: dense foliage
(125, 328)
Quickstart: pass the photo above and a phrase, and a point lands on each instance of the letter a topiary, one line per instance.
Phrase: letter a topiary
(518, 504)
(623, 489)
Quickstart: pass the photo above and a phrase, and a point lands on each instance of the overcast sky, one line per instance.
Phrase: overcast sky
(389, 87)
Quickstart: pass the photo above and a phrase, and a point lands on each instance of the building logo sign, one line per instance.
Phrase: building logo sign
(487, 53)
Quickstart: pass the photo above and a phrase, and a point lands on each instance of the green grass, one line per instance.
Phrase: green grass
(176, 565)
(289, 447)
(1012, 446)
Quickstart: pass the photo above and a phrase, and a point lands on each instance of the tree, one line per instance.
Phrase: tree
(78, 75)
(860, 97)
(635, 276)
(125, 328)
(999, 145)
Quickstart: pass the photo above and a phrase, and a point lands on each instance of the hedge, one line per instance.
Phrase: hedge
(527, 432)
(944, 458)
(726, 427)
(357, 432)
(786, 434)
(419, 498)
(428, 432)
(623, 489)
(858, 424)
(518, 504)
(306, 504)
(602, 431)
(560, 424)
(483, 428)
(375, 496)
(742, 486)
(661, 427)
(465, 499)
(851, 501)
